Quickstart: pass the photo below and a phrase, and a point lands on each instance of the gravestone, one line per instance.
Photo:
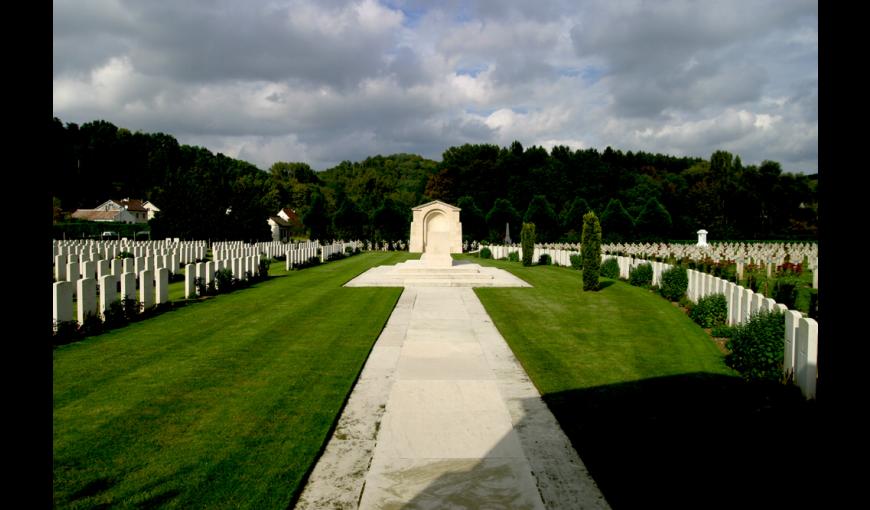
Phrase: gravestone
(108, 292)
(128, 285)
(162, 285)
(60, 268)
(702, 238)
(792, 319)
(146, 289)
(189, 281)
(62, 296)
(87, 298)
(805, 358)
(436, 232)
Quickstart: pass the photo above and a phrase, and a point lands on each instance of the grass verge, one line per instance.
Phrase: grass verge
(645, 397)
(225, 404)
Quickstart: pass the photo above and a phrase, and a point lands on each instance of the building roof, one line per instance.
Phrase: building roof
(93, 215)
(148, 205)
(281, 222)
(132, 204)
(436, 202)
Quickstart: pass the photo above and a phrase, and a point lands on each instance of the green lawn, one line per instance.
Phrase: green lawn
(645, 397)
(224, 403)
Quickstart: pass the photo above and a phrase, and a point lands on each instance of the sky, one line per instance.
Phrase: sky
(323, 81)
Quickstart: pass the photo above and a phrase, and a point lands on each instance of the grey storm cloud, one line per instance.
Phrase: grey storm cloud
(346, 79)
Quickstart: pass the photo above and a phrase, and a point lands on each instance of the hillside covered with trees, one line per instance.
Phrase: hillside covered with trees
(638, 196)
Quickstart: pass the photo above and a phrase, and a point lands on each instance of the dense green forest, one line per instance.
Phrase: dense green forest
(638, 196)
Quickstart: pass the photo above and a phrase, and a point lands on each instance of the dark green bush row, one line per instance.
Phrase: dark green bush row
(710, 311)
(610, 268)
(641, 275)
(757, 347)
(674, 283)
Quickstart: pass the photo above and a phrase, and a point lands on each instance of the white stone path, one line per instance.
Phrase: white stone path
(444, 416)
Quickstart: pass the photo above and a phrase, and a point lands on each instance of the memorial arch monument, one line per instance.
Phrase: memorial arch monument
(436, 232)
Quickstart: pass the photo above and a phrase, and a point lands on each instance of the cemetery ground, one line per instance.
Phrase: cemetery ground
(225, 403)
(646, 399)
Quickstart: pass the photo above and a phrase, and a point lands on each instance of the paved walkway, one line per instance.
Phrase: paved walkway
(443, 416)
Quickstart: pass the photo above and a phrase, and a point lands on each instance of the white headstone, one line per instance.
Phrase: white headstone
(702, 238)
(108, 291)
(128, 285)
(87, 298)
(807, 353)
(60, 268)
(162, 285)
(189, 281)
(62, 301)
(791, 325)
(146, 289)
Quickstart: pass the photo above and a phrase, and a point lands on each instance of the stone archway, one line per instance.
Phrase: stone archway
(436, 233)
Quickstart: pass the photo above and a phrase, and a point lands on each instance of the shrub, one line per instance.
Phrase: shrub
(610, 268)
(814, 304)
(544, 260)
(65, 332)
(785, 290)
(91, 326)
(527, 237)
(674, 283)
(591, 251)
(264, 266)
(224, 279)
(514, 256)
(710, 311)
(576, 261)
(723, 331)
(114, 317)
(199, 285)
(485, 253)
(641, 275)
(757, 347)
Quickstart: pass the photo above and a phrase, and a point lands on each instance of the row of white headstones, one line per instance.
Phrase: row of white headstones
(79, 266)
(801, 333)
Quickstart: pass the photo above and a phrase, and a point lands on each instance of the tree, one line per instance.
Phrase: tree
(616, 222)
(473, 220)
(571, 219)
(591, 251)
(348, 222)
(502, 213)
(316, 218)
(528, 243)
(390, 222)
(654, 222)
(540, 212)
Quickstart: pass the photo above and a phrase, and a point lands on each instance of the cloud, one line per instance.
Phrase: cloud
(325, 81)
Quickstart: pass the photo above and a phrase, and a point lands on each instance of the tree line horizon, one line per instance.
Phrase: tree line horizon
(637, 196)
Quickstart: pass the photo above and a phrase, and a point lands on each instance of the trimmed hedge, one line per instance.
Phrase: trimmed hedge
(485, 253)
